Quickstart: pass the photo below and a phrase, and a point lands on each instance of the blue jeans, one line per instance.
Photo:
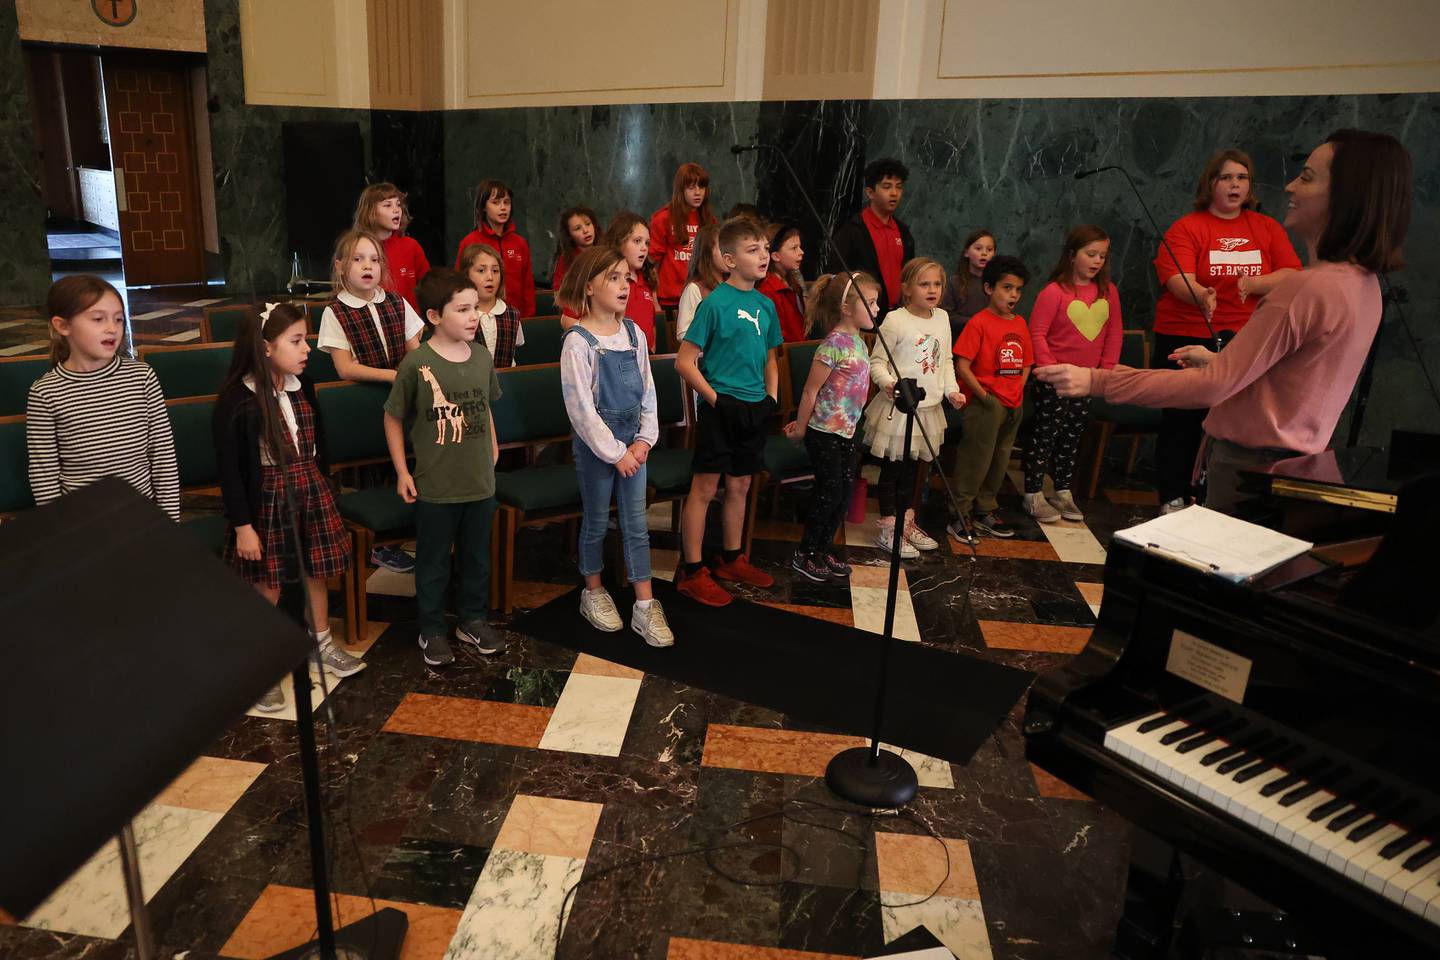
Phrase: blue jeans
(598, 480)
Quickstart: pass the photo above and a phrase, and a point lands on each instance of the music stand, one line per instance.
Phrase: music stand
(106, 598)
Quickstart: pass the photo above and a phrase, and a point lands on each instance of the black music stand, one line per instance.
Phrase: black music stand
(128, 650)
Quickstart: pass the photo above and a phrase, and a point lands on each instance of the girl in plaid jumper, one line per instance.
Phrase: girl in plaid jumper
(267, 443)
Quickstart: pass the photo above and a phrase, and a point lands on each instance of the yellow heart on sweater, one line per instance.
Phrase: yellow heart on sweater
(1089, 320)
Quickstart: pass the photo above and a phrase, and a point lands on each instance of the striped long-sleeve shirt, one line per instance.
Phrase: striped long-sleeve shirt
(80, 427)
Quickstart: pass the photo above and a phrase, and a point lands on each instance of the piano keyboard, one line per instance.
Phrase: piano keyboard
(1357, 826)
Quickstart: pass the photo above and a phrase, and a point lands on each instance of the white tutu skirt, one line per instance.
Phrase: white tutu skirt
(885, 435)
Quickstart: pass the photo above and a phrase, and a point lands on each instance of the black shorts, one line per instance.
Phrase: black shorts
(730, 436)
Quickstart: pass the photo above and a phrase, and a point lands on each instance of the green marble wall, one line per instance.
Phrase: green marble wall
(24, 258)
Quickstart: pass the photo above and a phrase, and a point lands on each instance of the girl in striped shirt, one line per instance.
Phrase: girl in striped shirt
(96, 413)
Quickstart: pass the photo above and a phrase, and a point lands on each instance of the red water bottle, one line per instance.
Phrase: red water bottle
(858, 494)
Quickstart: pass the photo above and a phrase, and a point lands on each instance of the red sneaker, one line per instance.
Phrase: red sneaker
(743, 571)
(701, 587)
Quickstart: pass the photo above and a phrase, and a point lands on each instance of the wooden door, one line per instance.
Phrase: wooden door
(152, 144)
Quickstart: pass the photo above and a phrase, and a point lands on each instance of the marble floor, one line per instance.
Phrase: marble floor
(504, 803)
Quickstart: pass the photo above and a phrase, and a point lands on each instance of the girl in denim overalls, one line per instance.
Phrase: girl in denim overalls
(605, 376)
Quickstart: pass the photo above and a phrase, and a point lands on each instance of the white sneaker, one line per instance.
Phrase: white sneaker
(1064, 501)
(884, 539)
(651, 624)
(1038, 507)
(597, 607)
(916, 537)
(1170, 507)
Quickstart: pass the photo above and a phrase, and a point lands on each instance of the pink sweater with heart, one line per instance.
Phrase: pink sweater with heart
(1076, 325)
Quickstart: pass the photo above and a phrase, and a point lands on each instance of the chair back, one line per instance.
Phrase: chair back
(190, 370)
(320, 366)
(14, 467)
(669, 391)
(354, 419)
(190, 422)
(796, 359)
(542, 341)
(1135, 349)
(220, 324)
(16, 376)
(530, 408)
(545, 305)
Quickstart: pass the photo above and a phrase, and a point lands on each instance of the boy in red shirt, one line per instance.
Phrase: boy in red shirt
(875, 241)
(993, 357)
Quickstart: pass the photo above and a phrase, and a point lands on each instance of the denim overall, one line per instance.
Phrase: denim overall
(619, 397)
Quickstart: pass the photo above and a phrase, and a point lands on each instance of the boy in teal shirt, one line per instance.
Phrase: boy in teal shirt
(728, 358)
(442, 392)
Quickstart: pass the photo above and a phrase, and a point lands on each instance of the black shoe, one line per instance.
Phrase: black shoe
(838, 568)
(992, 525)
(962, 533)
(481, 636)
(809, 565)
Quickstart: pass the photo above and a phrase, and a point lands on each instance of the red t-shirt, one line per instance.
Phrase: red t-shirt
(674, 260)
(788, 306)
(889, 251)
(515, 258)
(407, 263)
(1218, 252)
(640, 309)
(998, 351)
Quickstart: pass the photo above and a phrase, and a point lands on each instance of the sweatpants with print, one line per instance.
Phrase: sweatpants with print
(833, 458)
(1054, 437)
(983, 452)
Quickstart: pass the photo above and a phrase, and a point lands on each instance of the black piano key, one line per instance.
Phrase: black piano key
(1298, 794)
(1329, 808)
(1291, 780)
(1352, 794)
(1238, 762)
(1157, 723)
(1261, 749)
(1254, 770)
(1229, 750)
(1347, 819)
(1200, 724)
(1399, 845)
(1421, 857)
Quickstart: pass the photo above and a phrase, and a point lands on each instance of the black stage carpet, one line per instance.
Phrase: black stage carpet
(939, 703)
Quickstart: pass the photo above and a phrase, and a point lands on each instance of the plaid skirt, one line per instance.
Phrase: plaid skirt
(325, 540)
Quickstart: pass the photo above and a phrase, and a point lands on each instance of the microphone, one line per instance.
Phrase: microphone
(1081, 175)
(740, 148)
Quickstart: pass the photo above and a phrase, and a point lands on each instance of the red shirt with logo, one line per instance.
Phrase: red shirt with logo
(674, 260)
(788, 306)
(640, 309)
(889, 251)
(514, 257)
(1218, 252)
(407, 263)
(999, 351)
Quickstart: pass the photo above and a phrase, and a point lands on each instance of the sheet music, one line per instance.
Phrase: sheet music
(1215, 542)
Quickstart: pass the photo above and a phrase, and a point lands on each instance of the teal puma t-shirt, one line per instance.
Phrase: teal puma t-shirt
(736, 330)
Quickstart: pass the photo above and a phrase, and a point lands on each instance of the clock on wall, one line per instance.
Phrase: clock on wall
(117, 13)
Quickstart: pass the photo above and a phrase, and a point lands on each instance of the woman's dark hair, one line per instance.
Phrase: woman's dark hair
(620, 228)
(249, 360)
(567, 251)
(68, 298)
(1077, 240)
(1370, 198)
(780, 233)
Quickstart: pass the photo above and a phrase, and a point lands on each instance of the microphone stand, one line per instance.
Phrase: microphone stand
(869, 776)
(1155, 226)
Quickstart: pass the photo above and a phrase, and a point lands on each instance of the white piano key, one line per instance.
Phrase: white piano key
(1300, 816)
(1398, 887)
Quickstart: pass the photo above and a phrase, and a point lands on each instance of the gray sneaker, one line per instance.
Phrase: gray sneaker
(652, 625)
(436, 649)
(1038, 507)
(1064, 501)
(597, 607)
(1171, 506)
(272, 702)
(337, 661)
(480, 635)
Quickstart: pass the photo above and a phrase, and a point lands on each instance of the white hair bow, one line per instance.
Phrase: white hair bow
(265, 314)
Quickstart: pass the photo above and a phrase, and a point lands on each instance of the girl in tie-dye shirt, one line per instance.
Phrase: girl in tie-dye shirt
(829, 410)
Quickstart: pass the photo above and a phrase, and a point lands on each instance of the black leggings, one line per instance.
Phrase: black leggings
(1054, 437)
(833, 458)
(895, 475)
(1181, 430)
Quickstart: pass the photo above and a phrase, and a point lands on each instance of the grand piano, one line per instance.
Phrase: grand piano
(1283, 734)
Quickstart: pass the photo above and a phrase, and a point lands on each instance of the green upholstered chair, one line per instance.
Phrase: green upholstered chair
(14, 467)
(542, 341)
(16, 376)
(219, 324)
(189, 370)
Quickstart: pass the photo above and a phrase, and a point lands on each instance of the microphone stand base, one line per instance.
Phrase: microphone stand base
(378, 936)
(886, 782)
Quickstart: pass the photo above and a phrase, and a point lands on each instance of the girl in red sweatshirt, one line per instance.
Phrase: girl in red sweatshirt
(382, 211)
(579, 229)
(673, 228)
(494, 225)
(628, 234)
(782, 284)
